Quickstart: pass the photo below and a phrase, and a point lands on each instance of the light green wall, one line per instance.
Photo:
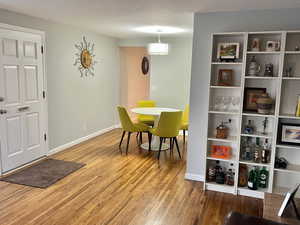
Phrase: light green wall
(169, 75)
(77, 106)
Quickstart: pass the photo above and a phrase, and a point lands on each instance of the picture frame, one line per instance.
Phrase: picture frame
(250, 97)
(228, 51)
(225, 77)
(289, 133)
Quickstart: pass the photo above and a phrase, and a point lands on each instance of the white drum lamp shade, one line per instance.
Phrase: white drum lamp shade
(158, 48)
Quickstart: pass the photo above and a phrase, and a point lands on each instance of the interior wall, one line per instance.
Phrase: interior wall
(171, 74)
(77, 106)
(204, 25)
(134, 84)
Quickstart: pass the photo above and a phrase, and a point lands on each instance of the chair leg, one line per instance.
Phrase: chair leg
(128, 140)
(171, 147)
(141, 138)
(160, 145)
(175, 138)
(124, 132)
(149, 141)
(183, 137)
(137, 138)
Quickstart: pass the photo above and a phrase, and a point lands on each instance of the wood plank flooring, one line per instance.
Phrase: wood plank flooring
(114, 189)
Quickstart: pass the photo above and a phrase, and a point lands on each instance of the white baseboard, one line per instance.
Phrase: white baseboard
(195, 177)
(82, 139)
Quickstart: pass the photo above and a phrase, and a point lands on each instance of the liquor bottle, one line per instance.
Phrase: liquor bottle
(249, 128)
(229, 177)
(220, 175)
(253, 179)
(257, 152)
(263, 178)
(248, 149)
(265, 152)
(211, 174)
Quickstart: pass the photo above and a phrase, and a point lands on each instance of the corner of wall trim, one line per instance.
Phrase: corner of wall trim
(193, 176)
(82, 139)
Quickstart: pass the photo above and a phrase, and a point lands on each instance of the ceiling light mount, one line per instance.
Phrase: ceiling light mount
(158, 48)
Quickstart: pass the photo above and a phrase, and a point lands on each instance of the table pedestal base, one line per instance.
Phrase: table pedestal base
(155, 147)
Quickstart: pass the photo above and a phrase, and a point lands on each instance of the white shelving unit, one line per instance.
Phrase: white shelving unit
(281, 88)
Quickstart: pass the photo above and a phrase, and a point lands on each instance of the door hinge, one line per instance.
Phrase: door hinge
(45, 137)
(42, 49)
(44, 94)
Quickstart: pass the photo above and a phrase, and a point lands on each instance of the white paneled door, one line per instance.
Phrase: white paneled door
(22, 125)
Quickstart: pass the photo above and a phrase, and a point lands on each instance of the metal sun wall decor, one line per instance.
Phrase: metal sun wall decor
(85, 58)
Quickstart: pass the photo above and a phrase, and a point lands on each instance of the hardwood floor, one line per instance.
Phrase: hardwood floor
(119, 190)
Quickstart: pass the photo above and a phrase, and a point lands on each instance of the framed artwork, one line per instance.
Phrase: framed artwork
(289, 133)
(225, 77)
(229, 51)
(250, 98)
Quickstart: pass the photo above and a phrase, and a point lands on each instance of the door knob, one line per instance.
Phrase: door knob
(3, 111)
(1, 99)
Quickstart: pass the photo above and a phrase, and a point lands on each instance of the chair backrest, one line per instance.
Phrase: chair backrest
(145, 103)
(125, 120)
(169, 124)
(185, 114)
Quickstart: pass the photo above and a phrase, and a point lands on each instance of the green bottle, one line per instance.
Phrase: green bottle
(263, 178)
(253, 179)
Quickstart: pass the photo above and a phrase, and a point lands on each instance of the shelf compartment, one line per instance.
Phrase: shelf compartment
(260, 193)
(225, 87)
(289, 116)
(259, 135)
(258, 115)
(230, 139)
(221, 160)
(212, 186)
(250, 163)
(291, 168)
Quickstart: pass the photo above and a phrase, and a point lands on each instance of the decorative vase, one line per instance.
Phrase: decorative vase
(264, 104)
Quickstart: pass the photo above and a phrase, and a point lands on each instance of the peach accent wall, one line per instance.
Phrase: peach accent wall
(134, 84)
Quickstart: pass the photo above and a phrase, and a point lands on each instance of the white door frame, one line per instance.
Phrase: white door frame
(45, 100)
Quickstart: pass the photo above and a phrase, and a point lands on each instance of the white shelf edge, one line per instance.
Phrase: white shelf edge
(291, 168)
(290, 78)
(258, 115)
(221, 112)
(265, 52)
(227, 63)
(288, 146)
(261, 78)
(256, 135)
(255, 164)
(229, 139)
(289, 116)
(223, 160)
(219, 187)
(292, 52)
(260, 193)
(225, 87)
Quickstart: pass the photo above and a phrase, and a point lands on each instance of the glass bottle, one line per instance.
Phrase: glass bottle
(253, 179)
(211, 174)
(263, 178)
(249, 128)
(257, 152)
(248, 151)
(265, 152)
(230, 177)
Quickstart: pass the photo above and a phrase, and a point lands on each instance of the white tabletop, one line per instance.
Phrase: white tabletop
(152, 111)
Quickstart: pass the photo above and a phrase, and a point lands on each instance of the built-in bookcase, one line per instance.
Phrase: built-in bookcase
(282, 89)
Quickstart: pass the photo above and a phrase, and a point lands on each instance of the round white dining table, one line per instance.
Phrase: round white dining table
(154, 111)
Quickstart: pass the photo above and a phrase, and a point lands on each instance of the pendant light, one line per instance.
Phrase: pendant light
(158, 48)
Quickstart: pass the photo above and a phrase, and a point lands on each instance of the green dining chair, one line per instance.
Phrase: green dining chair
(129, 126)
(185, 121)
(168, 127)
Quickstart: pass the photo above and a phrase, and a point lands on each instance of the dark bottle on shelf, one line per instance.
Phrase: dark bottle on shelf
(211, 174)
(263, 178)
(220, 175)
(253, 179)
(229, 177)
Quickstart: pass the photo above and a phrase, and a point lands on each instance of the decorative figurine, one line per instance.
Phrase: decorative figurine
(222, 130)
(297, 48)
(254, 67)
(269, 70)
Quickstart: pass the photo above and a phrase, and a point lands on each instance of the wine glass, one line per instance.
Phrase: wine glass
(226, 102)
(218, 103)
(235, 101)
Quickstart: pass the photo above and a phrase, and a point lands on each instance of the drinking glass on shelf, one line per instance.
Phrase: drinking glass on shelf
(218, 103)
(226, 103)
(235, 101)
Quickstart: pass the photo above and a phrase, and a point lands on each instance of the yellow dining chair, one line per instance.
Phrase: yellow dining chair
(185, 121)
(149, 120)
(168, 127)
(129, 126)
